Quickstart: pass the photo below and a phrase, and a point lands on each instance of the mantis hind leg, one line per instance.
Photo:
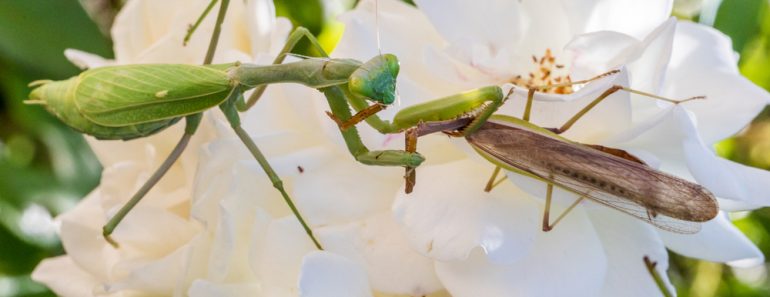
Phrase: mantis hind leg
(192, 125)
(491, 183)
(650, 265)
(611, 90)
(547, 225)
(532, 90)
(228, 108)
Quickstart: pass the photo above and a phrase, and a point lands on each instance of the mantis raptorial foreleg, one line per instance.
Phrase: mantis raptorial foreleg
(338, 97)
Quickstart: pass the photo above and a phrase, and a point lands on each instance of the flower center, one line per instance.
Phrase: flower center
(547, 72)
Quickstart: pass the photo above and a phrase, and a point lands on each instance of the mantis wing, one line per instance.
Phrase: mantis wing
(133, 94)
(660, 199)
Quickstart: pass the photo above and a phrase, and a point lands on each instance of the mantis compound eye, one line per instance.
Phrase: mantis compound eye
(376, 79)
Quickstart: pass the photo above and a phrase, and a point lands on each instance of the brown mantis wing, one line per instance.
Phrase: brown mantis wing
(663, 200)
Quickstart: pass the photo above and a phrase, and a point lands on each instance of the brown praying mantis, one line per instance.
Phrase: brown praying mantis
(609, 176)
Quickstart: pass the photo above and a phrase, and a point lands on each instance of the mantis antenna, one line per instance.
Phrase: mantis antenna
(377, 25)
(379, 40)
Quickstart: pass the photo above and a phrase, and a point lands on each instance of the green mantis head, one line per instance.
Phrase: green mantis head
(376, 79)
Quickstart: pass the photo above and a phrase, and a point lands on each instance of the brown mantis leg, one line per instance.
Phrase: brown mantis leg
(547, 226)
(650, 265)
(358, 117)
(491, 183)
(596, 101)
(422, 129)
(410, 176)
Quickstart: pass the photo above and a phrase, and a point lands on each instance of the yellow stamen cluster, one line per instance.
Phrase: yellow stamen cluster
(548, 73)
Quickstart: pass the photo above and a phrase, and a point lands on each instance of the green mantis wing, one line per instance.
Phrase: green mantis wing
(58, 98)
(125, 95)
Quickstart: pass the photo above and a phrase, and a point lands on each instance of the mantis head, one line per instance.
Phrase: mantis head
(376, 79)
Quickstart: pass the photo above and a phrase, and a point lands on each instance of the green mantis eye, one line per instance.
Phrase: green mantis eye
(376, 79)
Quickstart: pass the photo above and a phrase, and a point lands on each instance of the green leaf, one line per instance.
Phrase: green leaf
(740, 20)
(34, 34)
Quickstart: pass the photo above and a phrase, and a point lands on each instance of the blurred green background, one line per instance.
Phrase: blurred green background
(46, 168)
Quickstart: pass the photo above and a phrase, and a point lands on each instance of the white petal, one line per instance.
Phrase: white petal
(546, 26)
(260, 23)
(626, 242)
(287, 107)
(725, 179)
(65, 278)
(357, 191)
(133, 236)
(374, 243)
(626, 16)
(703, 63)
(241, 221)
(718, 241)
(138, 25)
(121, 180)
(325, 274)
(205, 288)
(446, 220)
(150, 276)
(648, 69)
(475, 23)
(403, 31)
(84, 60)
(569, 260)
(609, 117)
(597, 52)
(278, 260)
(227, 167)
(646, 60)
(81, 237)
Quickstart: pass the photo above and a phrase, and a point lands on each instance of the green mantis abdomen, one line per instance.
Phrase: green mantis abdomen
(126, 102)
(59, 101)
(136, 94)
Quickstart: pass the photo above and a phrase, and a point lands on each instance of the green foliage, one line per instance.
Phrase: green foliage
(738, 19)
(41, 162)
(747, 23)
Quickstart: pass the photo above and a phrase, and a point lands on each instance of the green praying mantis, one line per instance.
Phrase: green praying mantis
(132, 101)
